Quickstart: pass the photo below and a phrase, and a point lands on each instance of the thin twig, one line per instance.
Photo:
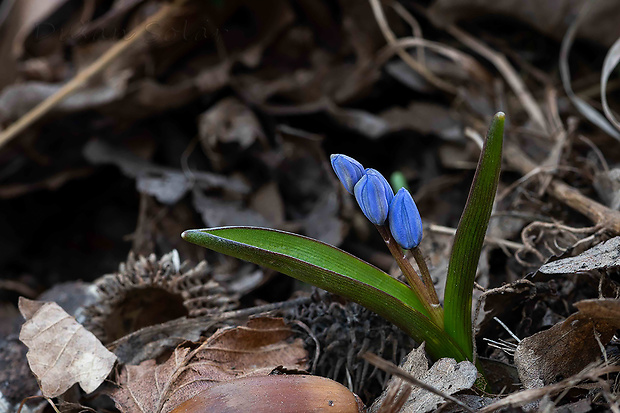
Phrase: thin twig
(82, 78)
(531, 174)
(596, 151)
(26, 399)
(393, 369)
(414, 64)
(440, 229)
(317, 350)
(598, 213)
(49, 400)
(415, 28)
(395, 398)
(527, 396)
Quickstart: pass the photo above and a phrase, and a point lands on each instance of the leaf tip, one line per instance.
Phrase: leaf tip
(499, 116)
(187, 235)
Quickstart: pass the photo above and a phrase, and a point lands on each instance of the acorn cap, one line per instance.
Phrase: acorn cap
(146, 291)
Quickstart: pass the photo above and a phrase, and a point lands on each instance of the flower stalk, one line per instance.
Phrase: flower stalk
(435, 312)
(426, 275)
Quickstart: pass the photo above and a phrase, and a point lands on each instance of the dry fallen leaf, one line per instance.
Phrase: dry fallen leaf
(602, 256)
(61, 352)
(446, 375)
(569, 346)
(229, 353)
(168, 185)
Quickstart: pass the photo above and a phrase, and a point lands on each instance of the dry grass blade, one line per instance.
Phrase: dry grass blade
(611, 61)
(414, 64)
(505, 68)
(584, 108)
(467, 62)
(415, 27)
(397, 371)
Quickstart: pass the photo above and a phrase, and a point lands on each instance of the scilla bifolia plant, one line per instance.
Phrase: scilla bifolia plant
(415, 307)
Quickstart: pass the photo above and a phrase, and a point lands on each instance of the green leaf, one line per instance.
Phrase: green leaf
(470, 237)
(334, 270)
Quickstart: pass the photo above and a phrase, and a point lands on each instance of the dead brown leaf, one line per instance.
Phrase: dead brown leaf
(569, 346)
(229, 353)
(61, 351)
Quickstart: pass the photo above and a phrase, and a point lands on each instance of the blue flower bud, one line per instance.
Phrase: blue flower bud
(374, 194)
(404, 219)
(348, 170)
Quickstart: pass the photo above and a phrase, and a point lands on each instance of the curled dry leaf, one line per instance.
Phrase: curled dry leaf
(61, 351)
(230, 353)
(569, 346)
(611, 62)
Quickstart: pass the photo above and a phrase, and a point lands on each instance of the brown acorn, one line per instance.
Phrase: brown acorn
(274, 394)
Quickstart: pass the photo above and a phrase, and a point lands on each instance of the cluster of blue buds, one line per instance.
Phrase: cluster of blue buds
(378, 202)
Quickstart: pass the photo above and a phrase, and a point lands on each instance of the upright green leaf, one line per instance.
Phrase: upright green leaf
(470, 237)
(334, 270)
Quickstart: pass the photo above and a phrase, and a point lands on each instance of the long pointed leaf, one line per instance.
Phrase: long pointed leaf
(470, 237)
(334, 270)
